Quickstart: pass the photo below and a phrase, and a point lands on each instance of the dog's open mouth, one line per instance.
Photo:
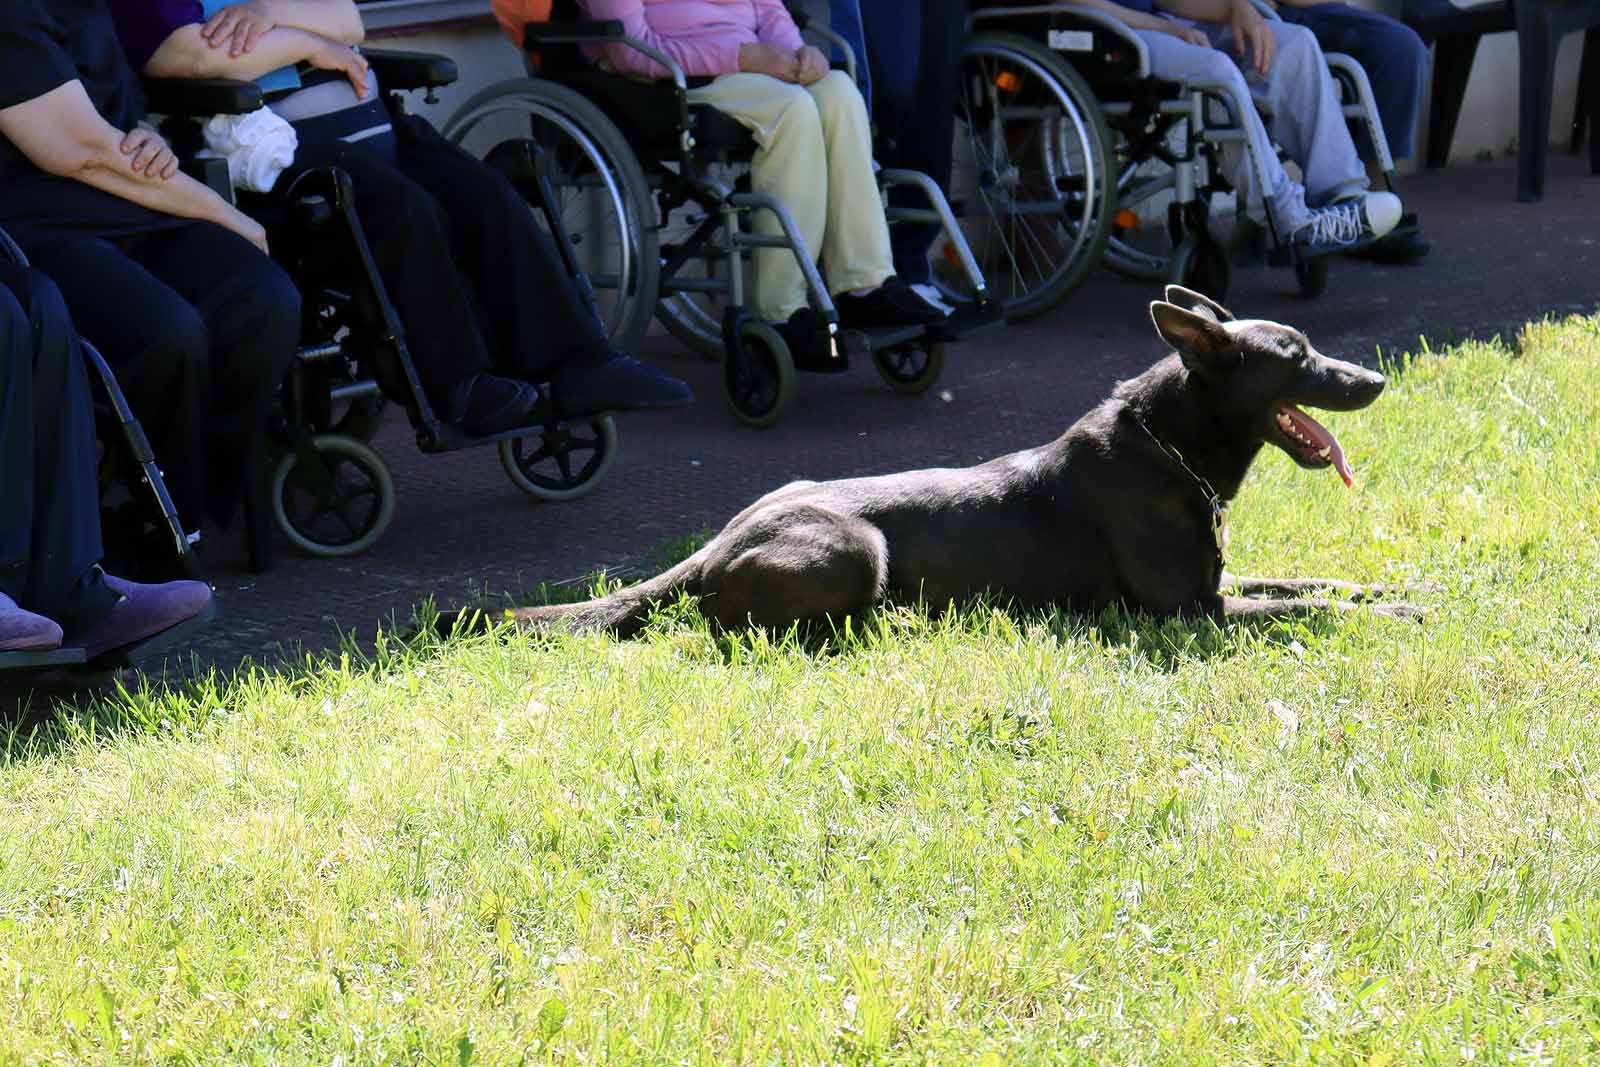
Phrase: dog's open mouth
(1310, 443)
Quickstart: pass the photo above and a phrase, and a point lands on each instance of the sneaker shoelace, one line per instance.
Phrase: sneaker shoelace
(1337, 225)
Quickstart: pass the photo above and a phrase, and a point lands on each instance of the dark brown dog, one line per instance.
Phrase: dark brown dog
(1126, 507)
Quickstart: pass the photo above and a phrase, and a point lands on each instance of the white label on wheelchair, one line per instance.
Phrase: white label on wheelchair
(1071, 40)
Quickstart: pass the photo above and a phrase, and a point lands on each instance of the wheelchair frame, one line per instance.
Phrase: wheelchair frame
(343, 358)
(758, 370)
(1154, 109)
(115, 414)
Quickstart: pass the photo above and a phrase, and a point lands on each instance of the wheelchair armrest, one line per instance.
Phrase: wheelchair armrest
(402, 71)
(537, 34)
(201, 97)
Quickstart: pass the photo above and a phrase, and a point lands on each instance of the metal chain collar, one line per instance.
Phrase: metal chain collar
(1214, 501)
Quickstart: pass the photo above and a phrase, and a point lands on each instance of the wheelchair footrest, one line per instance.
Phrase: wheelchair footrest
(969, 320)
(446, 437)
(873, 338)
(54, 659)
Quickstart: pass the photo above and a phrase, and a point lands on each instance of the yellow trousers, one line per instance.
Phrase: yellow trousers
(815, 156)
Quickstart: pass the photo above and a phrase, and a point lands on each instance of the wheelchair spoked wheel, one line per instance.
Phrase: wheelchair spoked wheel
(564, 461)
(339, 505)
(912, 367)
(1312, 275)
(1201, 264)
(1033, 171)
(694, 314)
(759, 379)
(602, 196)
(1137, 247)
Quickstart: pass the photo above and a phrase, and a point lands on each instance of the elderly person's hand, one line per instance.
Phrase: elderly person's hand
(758, 57)
(341, 58)
(812, 65)
(239, 26)
(1249, 26)
(149, 154)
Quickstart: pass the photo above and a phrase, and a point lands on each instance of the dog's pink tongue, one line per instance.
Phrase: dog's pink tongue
(1324, 439)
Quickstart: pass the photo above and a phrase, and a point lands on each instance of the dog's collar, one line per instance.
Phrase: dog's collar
(1217, 506)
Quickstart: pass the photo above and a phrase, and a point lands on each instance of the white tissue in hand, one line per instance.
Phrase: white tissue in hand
(257, 146)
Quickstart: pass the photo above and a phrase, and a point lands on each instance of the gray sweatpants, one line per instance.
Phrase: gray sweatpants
(1300, 95)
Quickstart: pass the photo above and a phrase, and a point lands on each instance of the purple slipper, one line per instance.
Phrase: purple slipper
(143, 612)
(23, 631)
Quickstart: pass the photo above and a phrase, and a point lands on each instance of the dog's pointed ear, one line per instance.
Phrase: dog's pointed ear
(1200, 340)
(1188, 298)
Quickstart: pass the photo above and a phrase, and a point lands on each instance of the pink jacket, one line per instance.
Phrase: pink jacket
(701, 36)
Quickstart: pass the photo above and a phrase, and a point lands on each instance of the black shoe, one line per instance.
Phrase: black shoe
(1403, 244)
(806, 334)
(487, 404)
(894, 303)
(621, 383)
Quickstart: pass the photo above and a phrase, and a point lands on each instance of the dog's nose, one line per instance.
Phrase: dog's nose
(1368, 388)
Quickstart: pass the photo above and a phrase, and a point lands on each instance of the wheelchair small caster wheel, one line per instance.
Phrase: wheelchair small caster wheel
(1312, 274)
(912, 367)
(1201, 264)
(758, 380)
(564, 461)
(337, 502)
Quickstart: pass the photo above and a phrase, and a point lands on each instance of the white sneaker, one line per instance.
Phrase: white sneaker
(1348, 224)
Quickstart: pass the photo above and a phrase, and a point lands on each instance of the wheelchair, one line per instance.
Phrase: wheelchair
(656, 191)
(328, 491)
(139, 523)
(1158, 140)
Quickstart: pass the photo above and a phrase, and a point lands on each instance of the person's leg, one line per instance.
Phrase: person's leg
(790, 164)
(855, 243)
(410, 242)
(155, 341)
(538, 325)
(1394, 57)
(1176, 60)
(534, 316)
(251, 312)
(50, 534)
(915, 47)
(1306, 117)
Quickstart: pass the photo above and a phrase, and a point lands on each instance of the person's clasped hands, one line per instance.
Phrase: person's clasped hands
(240, 27)
(801, 67)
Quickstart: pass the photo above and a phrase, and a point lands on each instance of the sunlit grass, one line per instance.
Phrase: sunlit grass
(972, 839)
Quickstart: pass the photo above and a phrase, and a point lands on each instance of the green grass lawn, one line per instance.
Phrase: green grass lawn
(975, 840)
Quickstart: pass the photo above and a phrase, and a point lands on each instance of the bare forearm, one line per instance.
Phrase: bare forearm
(185, 54)
(1198, 10)
(178, 195)
(337, 20)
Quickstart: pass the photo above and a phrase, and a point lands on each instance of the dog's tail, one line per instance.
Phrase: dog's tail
(622, 613)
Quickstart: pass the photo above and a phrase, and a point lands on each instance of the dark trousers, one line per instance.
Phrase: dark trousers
(1394, 57)
(49, 500)
(200, 327)
(914, 50)
(477, 282)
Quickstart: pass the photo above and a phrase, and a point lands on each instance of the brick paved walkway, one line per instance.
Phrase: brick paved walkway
(462, 527)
